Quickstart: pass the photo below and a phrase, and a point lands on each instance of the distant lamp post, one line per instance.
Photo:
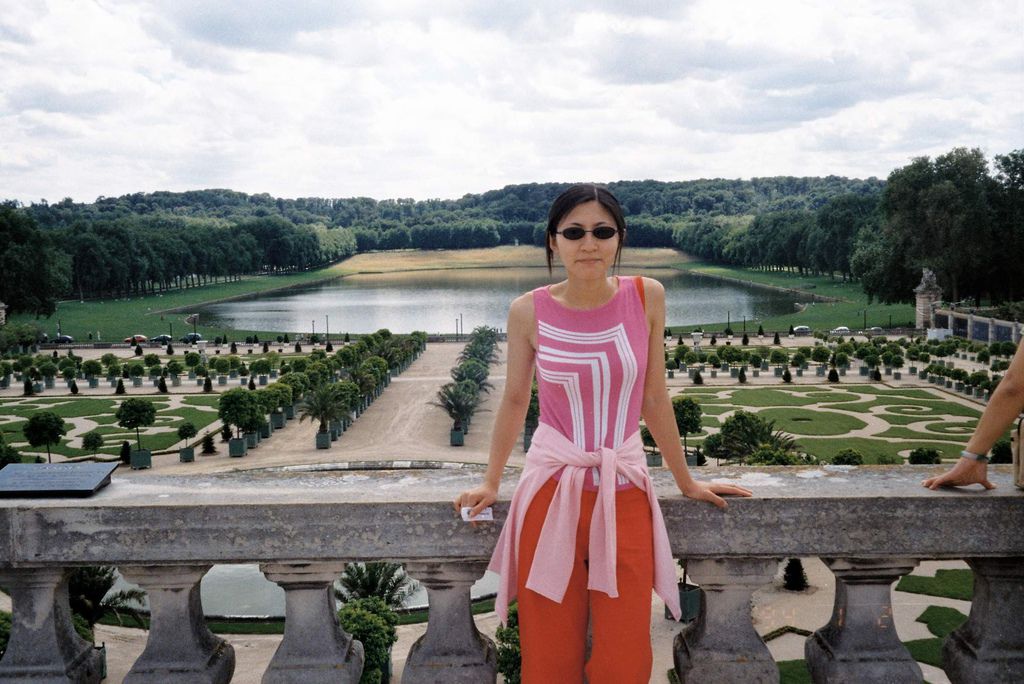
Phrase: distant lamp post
(327, 329)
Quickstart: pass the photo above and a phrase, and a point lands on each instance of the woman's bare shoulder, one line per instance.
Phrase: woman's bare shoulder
(521, 310)
(653, 288)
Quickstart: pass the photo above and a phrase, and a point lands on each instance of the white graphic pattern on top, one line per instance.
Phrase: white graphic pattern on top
(590, 351)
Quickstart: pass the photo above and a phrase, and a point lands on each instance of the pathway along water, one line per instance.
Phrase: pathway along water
(434, 300)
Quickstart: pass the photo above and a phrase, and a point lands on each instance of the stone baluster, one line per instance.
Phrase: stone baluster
(180, 648)
(859, 643)
(722, 644)
(452, 650)
(315, 648)
(989, 647)
(43, 645)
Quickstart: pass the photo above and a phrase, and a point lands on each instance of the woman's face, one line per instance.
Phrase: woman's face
(588, 257)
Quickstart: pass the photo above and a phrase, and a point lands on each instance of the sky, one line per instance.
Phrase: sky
(441, 98)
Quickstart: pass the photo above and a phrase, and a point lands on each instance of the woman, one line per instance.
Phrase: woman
(584, 536)
(1006, 404)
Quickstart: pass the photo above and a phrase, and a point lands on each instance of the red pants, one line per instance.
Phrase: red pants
(553, 635)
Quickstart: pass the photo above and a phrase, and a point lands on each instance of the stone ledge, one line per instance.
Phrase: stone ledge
(867, 512)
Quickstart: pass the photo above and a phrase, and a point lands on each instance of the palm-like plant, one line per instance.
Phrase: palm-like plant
(475, 370)
(743, 433)
(386, 581)
(460, 400)
(322, 404)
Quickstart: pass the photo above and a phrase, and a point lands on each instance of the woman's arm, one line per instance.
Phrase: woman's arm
(1006, 404)
(657, 412)
(514, 403)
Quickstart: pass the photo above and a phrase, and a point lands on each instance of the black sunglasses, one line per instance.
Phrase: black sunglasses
(577, 233)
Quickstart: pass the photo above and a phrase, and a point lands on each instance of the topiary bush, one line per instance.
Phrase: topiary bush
(510, 656)
(371, 622)
(848, 457)
(793, 577)
(787, 377)
(1002, 452)
(208, 445)
(923, 456)
(92, 441)
(698, 379)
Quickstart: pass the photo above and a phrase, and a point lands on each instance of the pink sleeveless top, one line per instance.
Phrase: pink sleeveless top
(590, 369)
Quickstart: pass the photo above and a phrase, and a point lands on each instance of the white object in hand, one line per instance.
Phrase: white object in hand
(486, 514)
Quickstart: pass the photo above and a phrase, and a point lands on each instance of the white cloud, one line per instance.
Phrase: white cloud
(412, 99)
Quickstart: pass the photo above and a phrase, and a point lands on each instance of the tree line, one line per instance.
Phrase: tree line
(951, 214)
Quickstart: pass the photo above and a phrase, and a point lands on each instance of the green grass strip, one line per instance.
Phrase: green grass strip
(948, 583)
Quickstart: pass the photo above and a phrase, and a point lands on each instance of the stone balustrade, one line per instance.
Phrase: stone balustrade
(871, 525)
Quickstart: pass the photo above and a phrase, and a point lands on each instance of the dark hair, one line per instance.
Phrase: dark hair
(572, 198)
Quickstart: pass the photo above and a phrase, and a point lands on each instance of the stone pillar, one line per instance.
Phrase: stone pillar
(721, 645)
(180, 648)
(451, 650)
(989, 647)
(315, 648)
(860, 644)
(43, 645)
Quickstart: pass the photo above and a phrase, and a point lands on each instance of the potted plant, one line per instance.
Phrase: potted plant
(48, 371)
(44, 428)
(239, 408)
(690, 596)
(459, 400)
(134, 414)
(322, 404)
(187, 431)
(650, 447)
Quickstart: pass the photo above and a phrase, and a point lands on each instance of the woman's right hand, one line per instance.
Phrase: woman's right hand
(477, 499)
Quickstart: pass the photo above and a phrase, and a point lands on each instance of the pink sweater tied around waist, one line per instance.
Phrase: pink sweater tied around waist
(552, 563)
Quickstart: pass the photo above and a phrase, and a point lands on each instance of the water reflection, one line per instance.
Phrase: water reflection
(434, 300)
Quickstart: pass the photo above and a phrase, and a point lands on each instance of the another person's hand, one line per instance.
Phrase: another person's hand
(965, 472)
(477, 499)
(709, 491)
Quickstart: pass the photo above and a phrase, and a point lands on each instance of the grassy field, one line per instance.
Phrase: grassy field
(823, 418)
(14, 413)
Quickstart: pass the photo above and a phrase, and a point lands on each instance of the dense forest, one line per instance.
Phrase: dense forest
(949, 213)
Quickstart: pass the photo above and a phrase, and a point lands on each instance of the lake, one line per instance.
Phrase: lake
(433, 301)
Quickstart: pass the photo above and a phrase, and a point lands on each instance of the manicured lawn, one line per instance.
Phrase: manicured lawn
(949, 583)
(811, 422)
(871, 449)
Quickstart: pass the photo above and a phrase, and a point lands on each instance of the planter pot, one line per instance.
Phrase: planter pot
(724, 367)
(323, 440)
(653, 459)
(842, 371)
(734, 372)
(191, 375)
(897, 375)
(978, 393)
(959, 387)
(137, 382)
(764, 365)
(757, 373)
(175, 381)
(273, 374)
(233, 374)
(141, 458)
(237, 447)
(266, 430)
(263, 380)
(689, 602)
(671, 373)
(949, 384)
(714, 373)
(187, 454)
(94, 382)
(691, 459)
(222, 379)
(888, 371)
(252, 440)
(923, 375)
(289, 412)
(864, 371)
(913, 370)
(48, 382)
(156, 382)
(690, 372)
(778, 372)
(799, 372)
(457, 438)
(277, 420)
(820, 371)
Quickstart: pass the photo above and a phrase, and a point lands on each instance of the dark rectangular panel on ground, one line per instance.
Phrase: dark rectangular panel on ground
(46, 480)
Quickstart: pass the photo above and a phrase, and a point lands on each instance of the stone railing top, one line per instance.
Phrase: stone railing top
(872, 511)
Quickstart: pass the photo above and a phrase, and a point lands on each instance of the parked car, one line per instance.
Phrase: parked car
(161, 339)
(135, 339)
(875, 330)
(64, 339)
(841, 330)
(802, 330)
(191, 338)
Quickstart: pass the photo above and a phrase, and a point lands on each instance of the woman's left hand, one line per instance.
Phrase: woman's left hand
(965, 472)
(709, 491)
